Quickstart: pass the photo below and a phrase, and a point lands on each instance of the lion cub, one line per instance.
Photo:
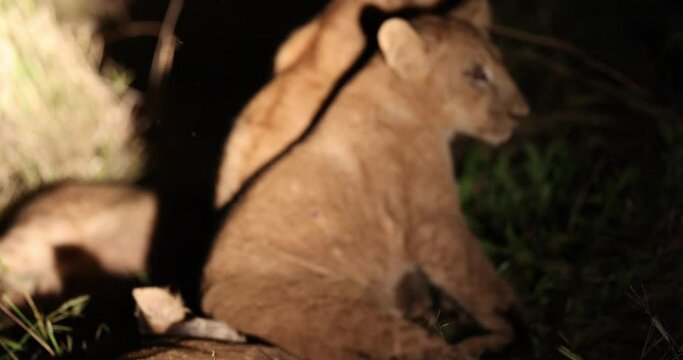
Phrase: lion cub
(312, 256)
(311, 61)
(72, 233)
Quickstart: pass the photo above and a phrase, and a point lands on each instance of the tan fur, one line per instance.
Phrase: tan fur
(312, 257)
(113, 224)
(312, 60)
(296, 45)
(191, 349)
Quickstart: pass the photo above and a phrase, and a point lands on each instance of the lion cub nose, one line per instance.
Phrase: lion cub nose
(520, 107)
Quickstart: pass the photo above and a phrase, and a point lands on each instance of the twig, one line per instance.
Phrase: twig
(28, 330)
(641, 300)
(121, 32)
(163, 55)
(581, 198)
(628, 99)
(132, 30)
(9, 352)
(540, 123)
(566, 47)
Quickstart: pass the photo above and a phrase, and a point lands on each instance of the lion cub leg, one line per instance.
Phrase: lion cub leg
(454, 261)
(316, 318)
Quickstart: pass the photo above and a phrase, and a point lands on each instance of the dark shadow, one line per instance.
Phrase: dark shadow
(422, 303)
(224, 57)
(107, 324)
(110, 302)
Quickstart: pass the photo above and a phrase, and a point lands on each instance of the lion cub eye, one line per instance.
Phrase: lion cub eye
(477, 74)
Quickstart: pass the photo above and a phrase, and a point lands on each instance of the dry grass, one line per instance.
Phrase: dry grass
(59, 119)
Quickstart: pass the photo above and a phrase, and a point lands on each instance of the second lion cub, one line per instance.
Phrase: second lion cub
(313, 256)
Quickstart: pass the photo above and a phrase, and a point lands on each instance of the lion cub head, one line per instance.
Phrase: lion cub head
(457, 71)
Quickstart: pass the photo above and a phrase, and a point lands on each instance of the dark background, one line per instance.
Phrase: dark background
(582, 210)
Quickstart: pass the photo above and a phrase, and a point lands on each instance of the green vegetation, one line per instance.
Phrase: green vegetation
(42, 334)
(583, 211)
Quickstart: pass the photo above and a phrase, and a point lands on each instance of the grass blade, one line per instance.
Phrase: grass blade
(71, 308)
(51, 336)
(27, 329)
(9, 352)
(568, 353)
(37, 315)
(17, 311)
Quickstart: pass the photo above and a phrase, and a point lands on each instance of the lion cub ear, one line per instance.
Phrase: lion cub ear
(403, 49)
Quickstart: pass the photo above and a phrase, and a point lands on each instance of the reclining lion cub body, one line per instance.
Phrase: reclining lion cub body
(105, 226)
(312, 257)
